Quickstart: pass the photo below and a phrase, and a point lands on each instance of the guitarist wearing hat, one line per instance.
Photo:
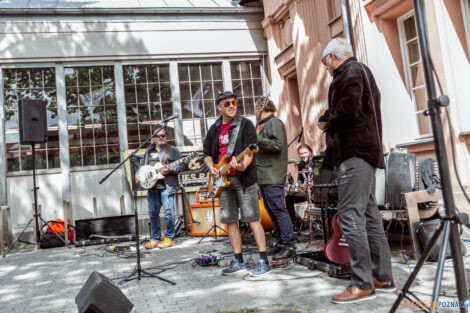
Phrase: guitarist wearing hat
(163, 193)
(230, 136)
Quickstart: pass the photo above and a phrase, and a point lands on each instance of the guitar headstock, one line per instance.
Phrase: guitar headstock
(253, 148)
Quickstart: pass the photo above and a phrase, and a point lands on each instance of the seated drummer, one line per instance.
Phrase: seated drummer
(305, 154)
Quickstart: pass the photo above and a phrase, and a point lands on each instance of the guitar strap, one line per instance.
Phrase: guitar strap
(233, 140)
(165, 153)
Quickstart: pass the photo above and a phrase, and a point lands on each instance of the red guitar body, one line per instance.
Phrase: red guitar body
(336, 249)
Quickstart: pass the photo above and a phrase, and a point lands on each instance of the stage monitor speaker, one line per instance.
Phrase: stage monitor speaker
(400, 178)
(119, 225)
(101, 295)
(32, 121)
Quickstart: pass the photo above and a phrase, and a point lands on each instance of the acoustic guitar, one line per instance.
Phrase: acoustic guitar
(336, 248)
(215, 186)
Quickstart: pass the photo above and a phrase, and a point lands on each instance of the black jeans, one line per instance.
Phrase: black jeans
(273, 197)
(361, 223)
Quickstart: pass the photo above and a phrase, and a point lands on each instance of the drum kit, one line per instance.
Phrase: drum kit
(319, 192)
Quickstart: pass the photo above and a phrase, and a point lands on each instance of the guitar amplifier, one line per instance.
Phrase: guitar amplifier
(202, 219)
(398, 178)
(109, 226)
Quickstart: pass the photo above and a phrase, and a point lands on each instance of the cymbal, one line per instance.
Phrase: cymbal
(290, 161)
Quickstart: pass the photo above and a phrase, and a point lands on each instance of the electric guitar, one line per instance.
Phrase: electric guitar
(215, 186)
(336, 249)
(149, 174)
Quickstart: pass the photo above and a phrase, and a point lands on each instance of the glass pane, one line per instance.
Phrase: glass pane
(142, 94)
(207, 90)
(11, 99)
(413, 51)
(112, 133)
(194, 74)
(108, 75)
(140, 74)
(156, 111)
(128, 73)
(256, 69)
(258, 87)
(13, 161)
(235, 70)
(131, 113)
(183, 73)
(165, 92)
(53, 158)
(424, 124)
(96, 77)
(420, 99)
(249, 106)
(154, 92)
(216, 72)
(410, 28)
(144, 113)
(88, 156)
(247, 88)
(22, 78)
(237, 87)
(245, 69)
(9, 78)
(185, 92)
(113, 154)
(206, 72)
(70, 77)
(164, 73)
(130, 94)
(417, 75)
(218, 88)
(36, 78)
(75, 156)
(167, 108)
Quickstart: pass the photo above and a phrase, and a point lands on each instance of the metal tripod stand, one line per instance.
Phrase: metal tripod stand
(449, 225)
(138, 272)
(36, 215)
(213, 227)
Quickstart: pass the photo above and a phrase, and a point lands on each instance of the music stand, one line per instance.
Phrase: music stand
(138, 272)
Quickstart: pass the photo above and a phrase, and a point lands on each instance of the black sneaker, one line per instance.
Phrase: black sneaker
(286, 253)
(275, 249)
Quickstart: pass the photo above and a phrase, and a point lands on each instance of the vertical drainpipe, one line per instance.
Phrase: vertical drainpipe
(65, 175)
(347, 22)
(3, 149)
(122, 128)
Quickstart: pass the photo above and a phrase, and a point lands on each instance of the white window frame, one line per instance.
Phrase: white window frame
(466, 20)
(407, 67)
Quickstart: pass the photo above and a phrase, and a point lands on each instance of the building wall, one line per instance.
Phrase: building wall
(377, 43)
(113, 40)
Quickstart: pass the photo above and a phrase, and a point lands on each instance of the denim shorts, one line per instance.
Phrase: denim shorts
(236, 197)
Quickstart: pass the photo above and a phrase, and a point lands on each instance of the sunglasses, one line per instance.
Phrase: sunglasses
(160, 136)
(323, 60)
(228, 103)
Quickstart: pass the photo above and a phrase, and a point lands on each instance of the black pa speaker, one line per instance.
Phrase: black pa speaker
(32, 121)
(101, 295)
(400, 178)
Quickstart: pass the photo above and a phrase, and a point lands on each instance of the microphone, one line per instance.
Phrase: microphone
(176, 115)
(300, 135)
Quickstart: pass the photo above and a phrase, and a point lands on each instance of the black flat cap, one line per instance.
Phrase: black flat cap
(224, 95)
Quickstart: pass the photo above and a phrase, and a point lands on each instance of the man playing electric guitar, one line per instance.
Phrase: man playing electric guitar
(163, 193)
(230, 135)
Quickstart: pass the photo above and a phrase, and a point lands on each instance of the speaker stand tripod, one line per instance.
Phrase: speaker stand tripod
(213, 227)
(451, 219)
(138, 272)
(37, 216)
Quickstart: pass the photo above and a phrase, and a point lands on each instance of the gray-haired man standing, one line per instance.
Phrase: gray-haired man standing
(353, 128)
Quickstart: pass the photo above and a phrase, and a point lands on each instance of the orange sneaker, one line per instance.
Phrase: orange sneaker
(153, 244)
(166, 243)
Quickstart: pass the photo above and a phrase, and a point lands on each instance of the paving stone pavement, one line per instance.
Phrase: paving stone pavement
(48, 281)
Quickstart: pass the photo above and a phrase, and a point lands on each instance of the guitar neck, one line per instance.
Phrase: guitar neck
(226, 168)
(167, 166)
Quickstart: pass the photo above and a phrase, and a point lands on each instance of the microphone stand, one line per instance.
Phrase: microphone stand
(450, 220)
(298, 136)
(138, 272)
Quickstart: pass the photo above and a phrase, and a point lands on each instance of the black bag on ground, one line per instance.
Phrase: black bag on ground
(50, 240)
(425, 232)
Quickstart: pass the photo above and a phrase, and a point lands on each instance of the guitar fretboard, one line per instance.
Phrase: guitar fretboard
(227, 167)
(166, 166)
